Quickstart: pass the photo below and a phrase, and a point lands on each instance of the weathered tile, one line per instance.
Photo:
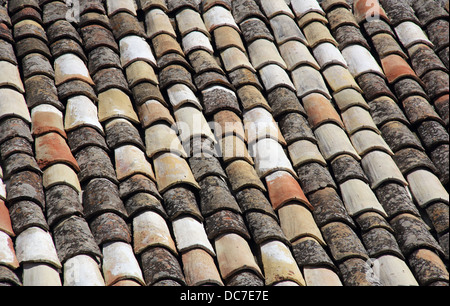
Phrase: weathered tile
(241, 179)
(196, 41)
(158, 22)
(11, 76)
(333, 141)
(192, 124)
(428, 267)
(279, 264)
(375, 86)
(51, 149)
(384, 110)
(160, 265)
(30, 45)
(124, 24)
(190, 234)
(203, 167)
(311, 17)
(377, 26)
(366, 141)
(202, 61)
(301, 8)
(263, 52)
(343, 242)
(113, 7)
(218, 16)
(138, 183)
(359, 198)
(94, 162)
(426, 187)
(320, 110)
(295, 127)
(100, 196)
(385, 45)
(150, 230)
(131, 160)
(225, 222)
(12, 104)
(296, 54)
(215, 196)
(233, 255)
(380, 167)
(161, 138)
(142, 202)
(181, 201)
(341, 16)
(297, 222)
(339, 78)
(59, 174)
(357, 272)
(316, 33)
(264, 227)
(171, 170)
(85, 137)
(356, 118)
(164, 44)
(71, 67)
(308, 80)
(5, 220)
(46, 118)
(410, 33)
(303, 152)
(395, 67)
(226, 37)
(87, 270)
(273, 8)
(368, 11)
(412, 234)
(140, 71)
(200, 269)
(285, 29)
(81, 112)
(233, 58)
(114, 103)
(284, 189)
(217, 99)
(269, 157)
(36, 245)
(243, 77)
(95, 36)
(360, 61)
(254, 29)
(228, 123)
(259, 124)
(243, 9)
(120, 263)
(314, 176)
(348, 98)
(328, 54)
(321, 277)
(283, 101)
(135, 48)
(40, 274)
(189, 20)
(62, 202)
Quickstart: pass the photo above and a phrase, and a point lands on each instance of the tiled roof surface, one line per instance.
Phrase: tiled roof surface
(224, 142)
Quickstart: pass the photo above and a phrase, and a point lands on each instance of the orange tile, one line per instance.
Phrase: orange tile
(5, 220)
(395, 68)
(52, 148)
(320, 110)
(368, 9)
(284, 188)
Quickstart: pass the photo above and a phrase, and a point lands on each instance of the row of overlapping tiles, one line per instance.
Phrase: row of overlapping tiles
(274, 168)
